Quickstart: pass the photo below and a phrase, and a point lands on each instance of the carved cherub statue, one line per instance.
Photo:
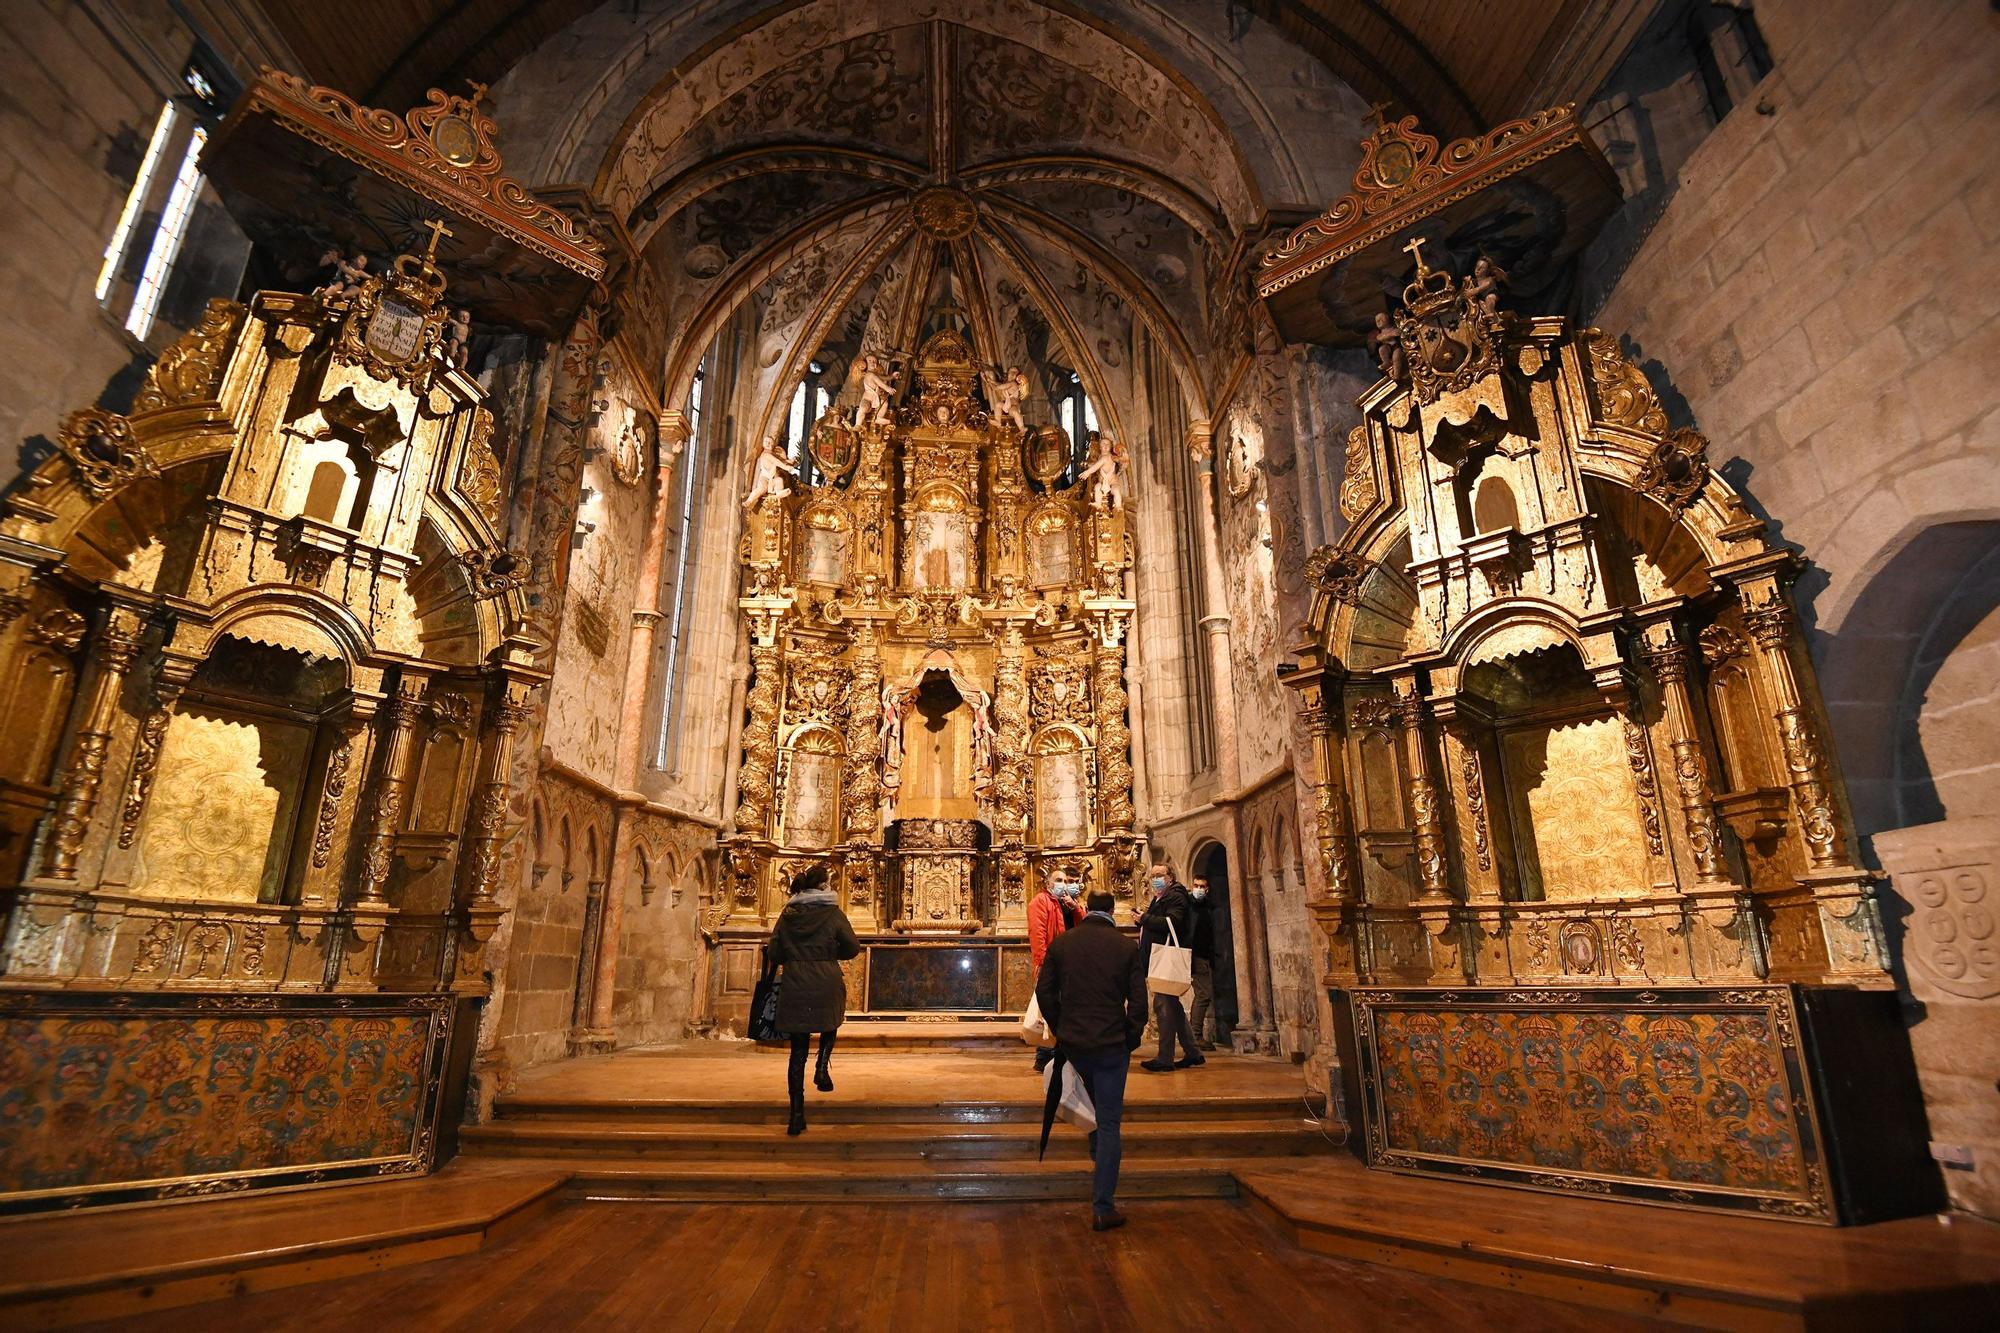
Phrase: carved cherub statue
(876, 391)
(1483, 288)
(1004, 393)
(348, 275)
(457, 337)
(767, 481)
(1105, 473)
(1387, 345)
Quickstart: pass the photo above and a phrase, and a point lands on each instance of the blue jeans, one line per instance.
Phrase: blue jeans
(1103, 1074)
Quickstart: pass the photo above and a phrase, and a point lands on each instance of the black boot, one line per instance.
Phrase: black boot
(795, 1085)
(798, 1124)
(821, 1078)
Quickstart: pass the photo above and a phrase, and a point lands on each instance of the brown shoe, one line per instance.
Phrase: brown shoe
(1107, 1221)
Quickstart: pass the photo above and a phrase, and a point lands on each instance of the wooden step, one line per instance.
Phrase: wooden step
(824, 1110)
(854, 1181)
(1641, 1259)
(1000, 1141)
(901, 1034)
(113, 1263)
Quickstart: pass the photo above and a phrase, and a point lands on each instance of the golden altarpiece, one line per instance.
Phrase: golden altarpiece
(937, 706)
(1593, 917)
(263, 662)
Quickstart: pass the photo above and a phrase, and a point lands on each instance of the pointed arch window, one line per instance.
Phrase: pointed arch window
(694, 455)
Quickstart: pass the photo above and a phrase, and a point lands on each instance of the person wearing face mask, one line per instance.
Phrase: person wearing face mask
(1202, 942)
(1170, 904)
(1050, 913)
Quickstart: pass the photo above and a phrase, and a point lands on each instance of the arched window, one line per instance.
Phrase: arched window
(809, 403)
(694, 455)
(1078, 417)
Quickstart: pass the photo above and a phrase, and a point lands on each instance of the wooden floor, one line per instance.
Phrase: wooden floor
(875, 1266)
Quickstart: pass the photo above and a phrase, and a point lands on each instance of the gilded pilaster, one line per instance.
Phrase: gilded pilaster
(398, 718)
(115, 648)
(760, 735)
(1114, 737)
(1668, 657)
(1769, 619)
(1433, 874)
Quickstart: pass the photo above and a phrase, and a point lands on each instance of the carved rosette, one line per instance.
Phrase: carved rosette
(101, 453)
(760, 743)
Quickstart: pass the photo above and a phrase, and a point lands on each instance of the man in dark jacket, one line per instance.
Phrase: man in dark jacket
(1092, 990)
(1170, 905)
(1203, 906)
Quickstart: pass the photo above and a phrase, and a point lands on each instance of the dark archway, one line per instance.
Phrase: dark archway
(1211, 862)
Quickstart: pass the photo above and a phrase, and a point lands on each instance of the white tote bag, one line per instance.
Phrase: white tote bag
(1170, 968)
(1075, 1105)
(1034, 1028)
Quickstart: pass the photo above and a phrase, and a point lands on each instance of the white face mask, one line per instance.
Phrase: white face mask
(1199, 892)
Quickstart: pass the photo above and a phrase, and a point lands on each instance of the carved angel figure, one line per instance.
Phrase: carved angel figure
(348, 275)
(1004, 393)
(1483, 288)
(876, 391)
(457, 336)
(1106, 472)
(767, 481)
(1387, 345)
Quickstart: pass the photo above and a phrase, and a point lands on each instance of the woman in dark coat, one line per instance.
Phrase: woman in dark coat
(810, 940)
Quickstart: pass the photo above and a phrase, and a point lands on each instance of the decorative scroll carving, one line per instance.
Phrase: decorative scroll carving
(1639, 754)
(1339, 575)
(146, 761)
(1624, 395)
(444, 150)
(331, 790)
(101, 453)
(190, 370)
(479, 470)
(1475, 804)
(1358, 489)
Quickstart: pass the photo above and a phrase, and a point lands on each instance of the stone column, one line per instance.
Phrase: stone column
(1215, 623)
(115, 648)
(398, 718)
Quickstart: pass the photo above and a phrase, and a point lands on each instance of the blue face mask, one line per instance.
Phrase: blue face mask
(1159, 885)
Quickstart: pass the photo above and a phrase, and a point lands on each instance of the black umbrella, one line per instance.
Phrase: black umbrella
(1053, 1100)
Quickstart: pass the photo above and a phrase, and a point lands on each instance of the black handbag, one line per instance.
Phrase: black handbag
(764, 1005)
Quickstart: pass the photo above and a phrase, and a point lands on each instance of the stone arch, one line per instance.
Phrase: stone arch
(1927, 615)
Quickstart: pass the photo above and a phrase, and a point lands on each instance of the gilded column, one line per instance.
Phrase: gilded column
(1429, 824)
(115, 648)
(1010, 716)
(1114, 737)
(491, 792)
(1668, 658)
(760, 734)
(861, 788)
(1769, 620)
(1336, 828)
(398, 719)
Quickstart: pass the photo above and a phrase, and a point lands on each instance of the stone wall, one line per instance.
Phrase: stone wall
(1821, 297)
(83, 93)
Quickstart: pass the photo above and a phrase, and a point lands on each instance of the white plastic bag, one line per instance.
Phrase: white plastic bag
(1034, 1028)
(1075, 1106)
(1170, 968)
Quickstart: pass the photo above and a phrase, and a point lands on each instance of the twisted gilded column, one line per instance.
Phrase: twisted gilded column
(1114, 737)
(1769, 619)
(860, 798)
(115, 648)
(398, 720)
(1429, 823)
(1668, 657)
(760, 737)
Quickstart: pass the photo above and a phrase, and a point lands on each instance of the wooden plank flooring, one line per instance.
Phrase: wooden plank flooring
(1179, 1265)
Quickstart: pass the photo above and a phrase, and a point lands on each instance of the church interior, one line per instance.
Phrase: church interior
(1505, 495)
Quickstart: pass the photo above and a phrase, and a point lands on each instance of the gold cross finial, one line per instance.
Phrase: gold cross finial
(438, 232)
(1376, 111)
(1415, 249)
(478, 90)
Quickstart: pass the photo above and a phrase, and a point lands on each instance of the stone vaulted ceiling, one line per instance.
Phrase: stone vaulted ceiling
(1053, 174)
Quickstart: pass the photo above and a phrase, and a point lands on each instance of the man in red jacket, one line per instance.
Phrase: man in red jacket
(1050, 913)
